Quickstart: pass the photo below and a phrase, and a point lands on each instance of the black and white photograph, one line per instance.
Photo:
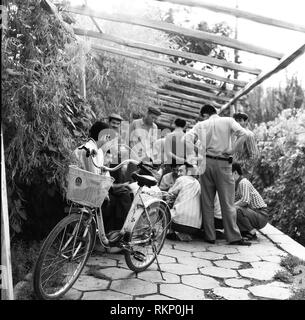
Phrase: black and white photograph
(153, 154)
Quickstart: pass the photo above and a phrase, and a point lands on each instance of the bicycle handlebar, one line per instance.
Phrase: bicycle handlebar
(92, 154)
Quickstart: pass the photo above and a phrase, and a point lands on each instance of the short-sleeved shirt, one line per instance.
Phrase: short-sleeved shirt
(142, 138)
(247, 193)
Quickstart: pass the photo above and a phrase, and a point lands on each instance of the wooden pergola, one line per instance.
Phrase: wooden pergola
(191, 94)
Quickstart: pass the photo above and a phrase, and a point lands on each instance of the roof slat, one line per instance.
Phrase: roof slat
(168, 27)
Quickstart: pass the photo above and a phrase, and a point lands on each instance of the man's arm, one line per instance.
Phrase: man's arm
(241, 134)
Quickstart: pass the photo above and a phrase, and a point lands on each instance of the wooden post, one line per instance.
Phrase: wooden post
(83, 72)
(7, 292)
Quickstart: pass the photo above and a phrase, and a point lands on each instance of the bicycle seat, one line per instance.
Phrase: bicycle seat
(144, 180)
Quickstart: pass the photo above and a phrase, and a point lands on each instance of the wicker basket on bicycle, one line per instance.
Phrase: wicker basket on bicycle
(87, 188)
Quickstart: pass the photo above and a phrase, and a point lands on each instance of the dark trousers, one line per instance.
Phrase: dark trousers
(248, 219)
(218, 177)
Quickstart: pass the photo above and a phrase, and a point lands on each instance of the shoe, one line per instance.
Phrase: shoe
(172, 236)
(220, 235)
(249, 236)
(209, 241)
(184, 237)
(241, 242)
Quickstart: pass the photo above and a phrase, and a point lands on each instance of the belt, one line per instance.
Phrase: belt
(229, 159)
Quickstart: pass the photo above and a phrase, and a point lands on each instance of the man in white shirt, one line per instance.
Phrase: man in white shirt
(215, 135)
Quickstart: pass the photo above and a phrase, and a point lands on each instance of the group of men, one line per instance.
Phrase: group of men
(206, 190)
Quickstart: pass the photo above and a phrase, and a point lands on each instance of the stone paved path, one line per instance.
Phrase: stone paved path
(192, 270)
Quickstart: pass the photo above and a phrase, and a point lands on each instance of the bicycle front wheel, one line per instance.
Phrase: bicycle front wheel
(147, 237)
(63, 256)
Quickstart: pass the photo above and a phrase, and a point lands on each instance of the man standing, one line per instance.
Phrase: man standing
(143, 134)
(215, 135)
(115, 148)
(174, 145)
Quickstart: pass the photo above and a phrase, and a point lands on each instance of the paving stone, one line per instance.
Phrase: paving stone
(196, 262)
(200, 281)
(90, 283)
(72, 294)
(166, 259)
(155, 276)
(179, 269)
(191, 246)
(181, 292)
(270, 291)
(261, 249)
(114, 256)
(219, 272)
(101, 262)
(257, 273)
(232, 294)
(229, 264)
(176, 253)
(223, 249)
(267, 265)
(155, 297)
(116, 273)
(133, 286)
(275, 259)
(122, 264)
(208, 255)
(237, 283)
(243, 257)
(106, 295)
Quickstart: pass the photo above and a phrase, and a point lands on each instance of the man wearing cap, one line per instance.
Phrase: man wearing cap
(143, 134)
(216, 136)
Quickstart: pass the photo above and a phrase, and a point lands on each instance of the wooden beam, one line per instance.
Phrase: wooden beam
(240, 14)
(167, 64)
(281, 65)
(168, 27)
(198, 92)
(181, 106)
(198, 83)
(174, 109)
(183, 96)
(175, 53)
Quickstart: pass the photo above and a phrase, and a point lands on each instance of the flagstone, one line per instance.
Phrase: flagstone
(200, 281)
(275, 259)
(218, 272)
(90, 283)
(154, 297)
(176, 253)
(237, 283)
(208, 255)
(267, 265)
(243, 257)
(179, 269)
(223, 249)
(72, 294)
(106, 295)
(101, 262)
(257, 273)
(270, 291)
(155, 276)
(195, 262)
(133, 286)
(227, 264)
(232, 294)
(166, 259)
(116, 273)
(181, 292)
(191, 246)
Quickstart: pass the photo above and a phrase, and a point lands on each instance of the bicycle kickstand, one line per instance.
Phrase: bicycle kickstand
(156, 256)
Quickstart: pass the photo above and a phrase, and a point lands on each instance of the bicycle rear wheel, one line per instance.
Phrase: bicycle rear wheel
(147, 237)
(63, 256)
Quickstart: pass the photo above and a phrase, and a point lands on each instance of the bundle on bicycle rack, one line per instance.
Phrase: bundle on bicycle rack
(87, 188)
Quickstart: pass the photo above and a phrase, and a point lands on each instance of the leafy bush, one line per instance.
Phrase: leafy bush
(280, 172)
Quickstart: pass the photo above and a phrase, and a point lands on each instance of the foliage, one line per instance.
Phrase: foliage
(290, 262)
(283, 276)
(265, 104)
(23, 256)
(43, 113)
(280, 171)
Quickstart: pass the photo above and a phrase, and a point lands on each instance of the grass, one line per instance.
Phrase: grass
(289, 275)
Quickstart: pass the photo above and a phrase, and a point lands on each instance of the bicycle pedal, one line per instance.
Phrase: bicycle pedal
(139, 256)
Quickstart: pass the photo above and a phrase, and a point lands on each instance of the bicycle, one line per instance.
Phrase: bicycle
(68, 246)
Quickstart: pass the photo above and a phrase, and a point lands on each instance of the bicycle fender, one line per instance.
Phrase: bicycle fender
(130, 221)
